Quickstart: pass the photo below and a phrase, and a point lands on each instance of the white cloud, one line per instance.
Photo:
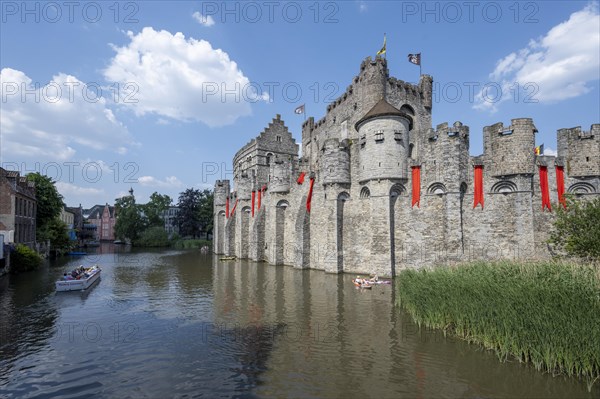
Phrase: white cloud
(550, 151)
(69, 190)
(556, 67)
(183, 79)
(203, 20)
(169, 182)
(49, 121)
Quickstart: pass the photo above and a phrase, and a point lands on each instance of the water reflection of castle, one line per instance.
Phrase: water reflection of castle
(392, 192)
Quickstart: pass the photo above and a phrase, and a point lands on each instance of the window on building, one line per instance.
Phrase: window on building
(269, 155)
(363, 141)
(397, 135)
(278, 138)
(379, 136)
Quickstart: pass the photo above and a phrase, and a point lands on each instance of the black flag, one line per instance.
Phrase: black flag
(415, 59)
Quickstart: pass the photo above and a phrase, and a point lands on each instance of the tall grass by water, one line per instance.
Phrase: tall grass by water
(547, 314)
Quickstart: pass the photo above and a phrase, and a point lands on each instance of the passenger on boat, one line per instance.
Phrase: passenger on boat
(67, 277)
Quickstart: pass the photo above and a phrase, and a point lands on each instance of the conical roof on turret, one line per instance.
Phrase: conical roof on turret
(382, 108)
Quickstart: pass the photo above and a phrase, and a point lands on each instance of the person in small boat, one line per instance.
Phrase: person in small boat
(67, 277)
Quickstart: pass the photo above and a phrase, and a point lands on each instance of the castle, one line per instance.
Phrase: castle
(382, 190)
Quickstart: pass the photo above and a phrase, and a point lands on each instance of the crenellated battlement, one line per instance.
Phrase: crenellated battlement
(580, 150)
(509, 150)
(457, 133)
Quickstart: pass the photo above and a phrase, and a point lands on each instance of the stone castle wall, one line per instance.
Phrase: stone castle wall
(361, 219)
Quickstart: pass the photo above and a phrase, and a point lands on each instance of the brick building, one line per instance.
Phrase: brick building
(18, 208)
(104, 218)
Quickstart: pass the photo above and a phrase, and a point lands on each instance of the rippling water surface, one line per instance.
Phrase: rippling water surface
(182, 324)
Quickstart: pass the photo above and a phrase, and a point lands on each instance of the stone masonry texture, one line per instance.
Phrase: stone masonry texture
(360, 155)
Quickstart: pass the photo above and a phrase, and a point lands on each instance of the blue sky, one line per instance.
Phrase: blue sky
(159, 96)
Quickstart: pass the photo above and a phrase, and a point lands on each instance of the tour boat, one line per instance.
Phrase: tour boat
(89, 277)
(362, 284)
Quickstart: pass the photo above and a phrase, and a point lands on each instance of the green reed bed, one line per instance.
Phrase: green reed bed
(547, 314)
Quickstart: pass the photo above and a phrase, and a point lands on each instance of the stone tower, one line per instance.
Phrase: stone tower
(510, 149)
(383, 142)
(336, 162)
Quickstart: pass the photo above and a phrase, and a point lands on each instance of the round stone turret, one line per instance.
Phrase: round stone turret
(280, 177)
(383, 142)
(336, 162)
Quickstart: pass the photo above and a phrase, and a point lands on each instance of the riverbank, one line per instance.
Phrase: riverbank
(546, 314)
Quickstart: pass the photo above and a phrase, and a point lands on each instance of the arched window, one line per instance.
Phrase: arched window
(397, 190)
(407, 109)
(504, 187)
(437, 188)
(580, 188)
(283, 204)
(269, 156)
(365, 192)
(411, 148)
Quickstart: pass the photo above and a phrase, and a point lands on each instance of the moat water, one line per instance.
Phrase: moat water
(182, 324)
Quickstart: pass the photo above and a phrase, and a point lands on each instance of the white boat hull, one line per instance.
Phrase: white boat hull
(78, 285)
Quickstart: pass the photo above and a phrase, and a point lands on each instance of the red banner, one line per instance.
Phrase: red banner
(416, 186)
(227, 208)
(478, 186)
(544, 188)
(234, 206)
(310, 191)
(258, 205)
(301, 178)
(253, 195)
(560, 185)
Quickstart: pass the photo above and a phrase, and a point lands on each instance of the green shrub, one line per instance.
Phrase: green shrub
(547, 314)
(24, 259)
(153, 237)
(577, 229)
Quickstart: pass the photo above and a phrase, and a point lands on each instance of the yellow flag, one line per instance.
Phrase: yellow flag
(382, 51)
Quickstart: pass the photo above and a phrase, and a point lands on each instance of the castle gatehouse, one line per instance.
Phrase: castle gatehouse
(377, 189)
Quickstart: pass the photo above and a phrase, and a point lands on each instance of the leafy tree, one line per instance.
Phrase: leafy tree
(155, 236)
(130, 220)
(577, 229)
(153, 209)
(188, 217)
(205, 212)
(49, 200)
(57, 232)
